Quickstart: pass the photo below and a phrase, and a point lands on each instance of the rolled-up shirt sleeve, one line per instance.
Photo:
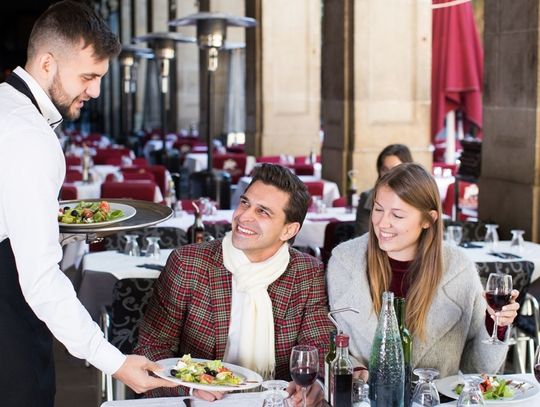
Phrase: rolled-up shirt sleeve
(32, 173)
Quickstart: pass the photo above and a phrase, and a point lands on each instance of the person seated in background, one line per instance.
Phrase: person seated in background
(404, 253)
(246, 299)
(389, 157)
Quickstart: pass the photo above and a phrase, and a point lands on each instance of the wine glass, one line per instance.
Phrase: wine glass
(132, 247)
(152, 249)
(498, 293)
(517, 244)
(425, 393)
(304, 366)
(492, 237)
(275, 394)
(471, 395)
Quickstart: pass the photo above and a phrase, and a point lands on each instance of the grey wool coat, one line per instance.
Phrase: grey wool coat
(455, 324)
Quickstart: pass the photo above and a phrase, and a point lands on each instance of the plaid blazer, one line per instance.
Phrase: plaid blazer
(189, 311)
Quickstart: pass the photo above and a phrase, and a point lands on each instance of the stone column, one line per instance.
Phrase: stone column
(509, 182)
(283, 77)
(376, 83)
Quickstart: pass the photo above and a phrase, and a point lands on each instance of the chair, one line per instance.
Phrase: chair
(448, 202)
(138, 176)
(73, 175)
(303, 169)
(340, 202)
(525, 330)
(142, 190)
(273, 159)
(159, 172)
(72, 160)
(233, 163)
(315, 188)
(140, 162)
(336, 232)
(120, 324)
(68, 192)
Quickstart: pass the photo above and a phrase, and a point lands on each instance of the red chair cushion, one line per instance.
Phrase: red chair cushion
(142, 190)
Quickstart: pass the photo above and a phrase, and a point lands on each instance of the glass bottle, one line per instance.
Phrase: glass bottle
(406, 342)
(386, 367)
(197, 229)
(342, 371)
(329, 358)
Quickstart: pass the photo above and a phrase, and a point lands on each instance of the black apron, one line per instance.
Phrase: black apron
(27, 377)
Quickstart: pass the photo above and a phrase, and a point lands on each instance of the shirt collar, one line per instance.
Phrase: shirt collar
(49, 111)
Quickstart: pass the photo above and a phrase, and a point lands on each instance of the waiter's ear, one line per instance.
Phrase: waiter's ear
(47, 65)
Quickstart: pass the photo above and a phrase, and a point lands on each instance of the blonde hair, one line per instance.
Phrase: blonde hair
(416, 187)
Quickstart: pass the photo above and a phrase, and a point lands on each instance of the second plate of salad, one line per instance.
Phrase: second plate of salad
(515, 388)
(93, 213)
(211, 375)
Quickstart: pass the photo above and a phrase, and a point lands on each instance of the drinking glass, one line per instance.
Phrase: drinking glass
(152, 249)
(275, 394)
(517, 244)
(132, 247)
(492, 237)
(425, 393)
(471, 395)
(498, 293)
(304, 366)
(454, 234)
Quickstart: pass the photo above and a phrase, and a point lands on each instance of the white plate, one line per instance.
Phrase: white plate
(251, 378)
(447, 385)
(129, 212)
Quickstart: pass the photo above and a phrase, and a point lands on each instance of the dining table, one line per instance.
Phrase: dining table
(255, 399)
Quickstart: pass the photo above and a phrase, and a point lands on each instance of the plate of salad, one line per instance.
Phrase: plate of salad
(499, 389)
(211, 375)
(91, 214)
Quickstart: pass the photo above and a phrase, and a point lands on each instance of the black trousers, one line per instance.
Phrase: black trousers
(27, 377)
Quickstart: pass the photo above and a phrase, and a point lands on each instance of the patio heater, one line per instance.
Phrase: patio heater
(211, 37)
(163, 45)
(129, 60)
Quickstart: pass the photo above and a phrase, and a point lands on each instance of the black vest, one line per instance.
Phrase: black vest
(27, 377)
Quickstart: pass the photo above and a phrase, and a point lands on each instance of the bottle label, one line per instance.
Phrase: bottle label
(199, 236)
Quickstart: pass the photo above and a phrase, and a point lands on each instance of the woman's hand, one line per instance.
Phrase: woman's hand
(508, 312)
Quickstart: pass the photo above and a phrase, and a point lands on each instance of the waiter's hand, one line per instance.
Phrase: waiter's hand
(134, 373)
(314, 395)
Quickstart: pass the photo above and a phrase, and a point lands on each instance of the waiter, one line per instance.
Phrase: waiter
(68, 54)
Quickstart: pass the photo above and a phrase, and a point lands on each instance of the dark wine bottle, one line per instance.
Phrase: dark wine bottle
(407, 342)
(329, 358)
(342, 371)
(197, 229)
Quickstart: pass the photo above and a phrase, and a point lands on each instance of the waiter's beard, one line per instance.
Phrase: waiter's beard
(62, 101)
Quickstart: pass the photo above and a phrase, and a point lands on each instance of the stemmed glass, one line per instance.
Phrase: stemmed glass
(304, 366)
(152, 249)
(455, 234)
(274, 396)
(498, 293)
(471, 395)
(425, 393)
(132, 247)
(492, 237)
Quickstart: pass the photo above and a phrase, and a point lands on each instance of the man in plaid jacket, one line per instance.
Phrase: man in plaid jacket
(190, 311)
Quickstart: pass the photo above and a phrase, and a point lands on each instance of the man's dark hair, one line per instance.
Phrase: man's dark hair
(71, 22)
(283, 179)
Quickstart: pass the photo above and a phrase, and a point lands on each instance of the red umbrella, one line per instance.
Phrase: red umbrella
(457, 64)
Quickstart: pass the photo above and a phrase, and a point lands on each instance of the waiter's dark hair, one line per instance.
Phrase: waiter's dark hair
(283, 179)
(69, 22)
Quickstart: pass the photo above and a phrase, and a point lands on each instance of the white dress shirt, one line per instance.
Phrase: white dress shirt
(32, 170)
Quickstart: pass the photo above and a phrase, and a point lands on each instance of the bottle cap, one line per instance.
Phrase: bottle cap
(342, 340)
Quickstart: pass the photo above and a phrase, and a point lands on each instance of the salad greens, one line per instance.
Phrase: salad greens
(209, 372)
(493, 388)
(88, 212)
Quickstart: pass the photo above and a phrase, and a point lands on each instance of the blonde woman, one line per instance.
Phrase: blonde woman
(404, 253)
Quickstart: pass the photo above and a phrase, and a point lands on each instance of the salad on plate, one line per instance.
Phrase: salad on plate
(496, 388)
(88, 212)
(208, 372)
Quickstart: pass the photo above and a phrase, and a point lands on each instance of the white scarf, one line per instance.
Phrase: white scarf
(257, 347)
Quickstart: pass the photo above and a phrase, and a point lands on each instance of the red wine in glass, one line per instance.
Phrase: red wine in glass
(497, 300)
(303, 376)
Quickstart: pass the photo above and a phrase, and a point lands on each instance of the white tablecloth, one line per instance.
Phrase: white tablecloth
(230, 400)
(530, 253)
(330, 191)
(196, 162)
